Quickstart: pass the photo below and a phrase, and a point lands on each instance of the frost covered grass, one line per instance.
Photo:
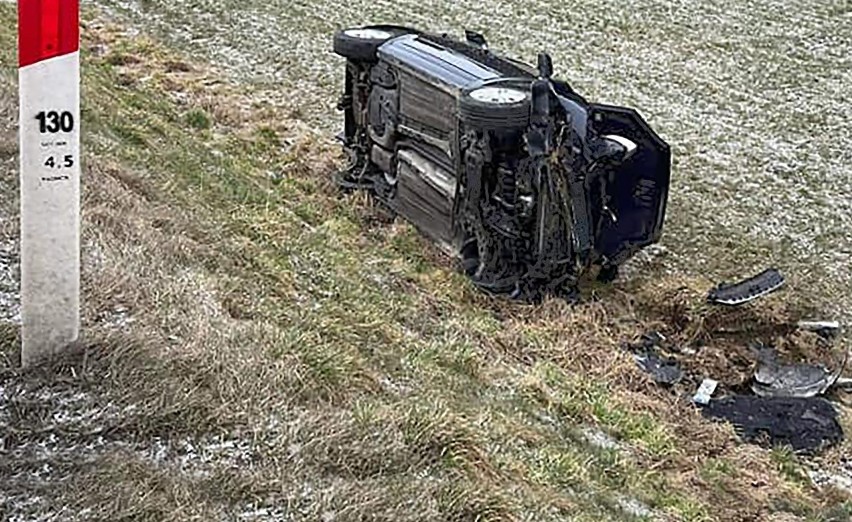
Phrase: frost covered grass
(259, 347)
(751, 95)
(9, 299)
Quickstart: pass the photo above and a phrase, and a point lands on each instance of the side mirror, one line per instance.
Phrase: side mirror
(545, 66)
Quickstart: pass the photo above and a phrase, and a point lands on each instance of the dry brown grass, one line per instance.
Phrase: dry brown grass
(258, 346)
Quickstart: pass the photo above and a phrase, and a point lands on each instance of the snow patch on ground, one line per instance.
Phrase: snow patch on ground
(633, 507)
(839, 477)
(197, 456)
(599, 439)
(10, 299)
(36, 448)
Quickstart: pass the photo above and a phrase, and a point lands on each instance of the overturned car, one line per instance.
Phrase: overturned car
(506, 167)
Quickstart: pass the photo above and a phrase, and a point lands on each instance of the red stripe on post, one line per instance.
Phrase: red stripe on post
(47, 28)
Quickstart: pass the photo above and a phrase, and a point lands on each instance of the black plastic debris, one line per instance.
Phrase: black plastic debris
(774, 379)
(664, 370)
(747, 290)
(648, 342)
(806, 425)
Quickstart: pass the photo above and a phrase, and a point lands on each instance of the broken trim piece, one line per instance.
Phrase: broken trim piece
(663, 370)
(747, 290)
(795, 380)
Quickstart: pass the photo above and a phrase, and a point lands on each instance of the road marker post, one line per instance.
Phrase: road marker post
(49, 135)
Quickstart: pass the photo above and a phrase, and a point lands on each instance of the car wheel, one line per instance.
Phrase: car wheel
(361, 43)
(496, 105)
(469, 254)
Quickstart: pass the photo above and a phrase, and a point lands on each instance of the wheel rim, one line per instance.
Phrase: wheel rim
(498, 95)
(368, 33)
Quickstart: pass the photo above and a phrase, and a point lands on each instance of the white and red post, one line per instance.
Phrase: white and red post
(49, 83)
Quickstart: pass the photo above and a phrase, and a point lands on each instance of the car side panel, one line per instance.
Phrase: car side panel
(425, 195)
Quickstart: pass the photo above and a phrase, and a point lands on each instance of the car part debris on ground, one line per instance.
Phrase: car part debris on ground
(747, 290)
(826, 329)
(663, 370)
(766, 376)
(775, 379)
(705, 392)
(806, 425)
(509, 169)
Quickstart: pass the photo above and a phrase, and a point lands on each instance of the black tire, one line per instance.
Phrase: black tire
(469, 255)
(496, 105)
(356, 43)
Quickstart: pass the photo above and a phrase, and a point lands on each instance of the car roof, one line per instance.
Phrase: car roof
(435, 61)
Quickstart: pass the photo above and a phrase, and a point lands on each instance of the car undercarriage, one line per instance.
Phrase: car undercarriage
(507, 168)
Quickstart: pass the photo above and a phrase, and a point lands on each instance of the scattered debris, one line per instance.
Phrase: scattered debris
(825, 329)
(747, 290)
(649, 341)
(705, 392)
(653, 338)
(772, 379)
(804, 424)
(780, 364)
(664, 370)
